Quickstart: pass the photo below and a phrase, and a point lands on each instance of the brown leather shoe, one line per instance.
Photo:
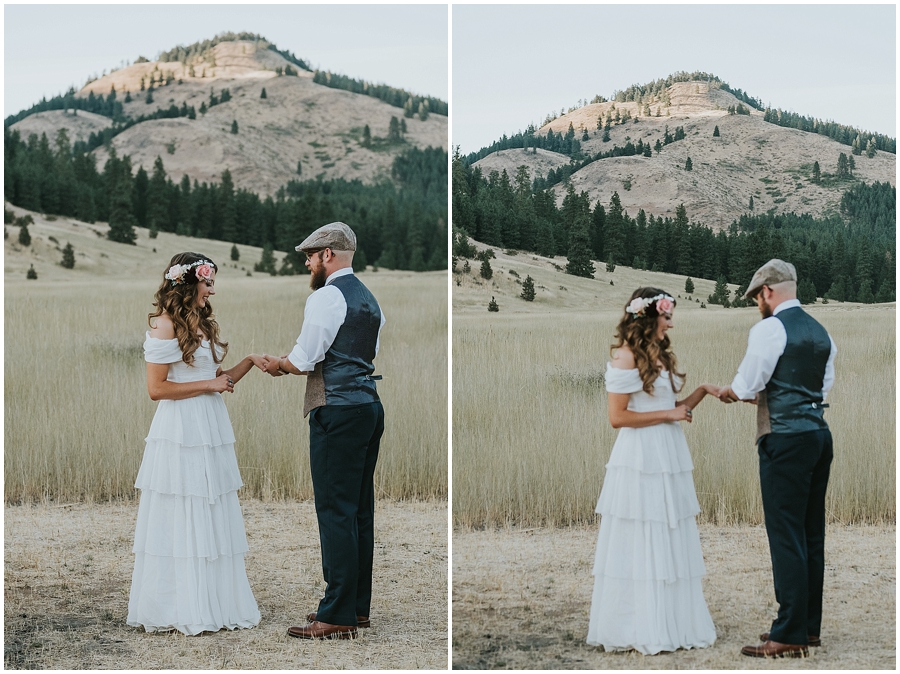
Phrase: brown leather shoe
(813, 641)
(361, 620)
(318, 630)
(773, 649)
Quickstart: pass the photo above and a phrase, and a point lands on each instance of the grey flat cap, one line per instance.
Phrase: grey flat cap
(772, 272)
(334, 235)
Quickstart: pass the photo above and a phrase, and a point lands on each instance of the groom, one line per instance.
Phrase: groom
(788, 369)
(337, 344)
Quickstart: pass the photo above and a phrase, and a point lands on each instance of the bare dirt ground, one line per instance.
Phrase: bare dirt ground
(521, 600)
(68, 573)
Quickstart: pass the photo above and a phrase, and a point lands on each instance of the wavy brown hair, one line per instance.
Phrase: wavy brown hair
(179, 302)
(639, 334)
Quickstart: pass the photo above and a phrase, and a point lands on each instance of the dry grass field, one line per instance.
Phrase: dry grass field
(521, 600)
(77, 408)
(68, 572)
(77, 412)
(530, 430)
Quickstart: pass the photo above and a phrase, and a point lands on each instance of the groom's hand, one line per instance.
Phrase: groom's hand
(726, 395)
(271, 365)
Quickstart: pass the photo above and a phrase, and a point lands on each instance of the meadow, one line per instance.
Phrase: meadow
(531, 435)
(77, 408)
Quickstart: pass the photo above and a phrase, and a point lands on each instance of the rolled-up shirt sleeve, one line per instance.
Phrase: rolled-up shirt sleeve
(765, 346)
(325, 312)
(828, 381)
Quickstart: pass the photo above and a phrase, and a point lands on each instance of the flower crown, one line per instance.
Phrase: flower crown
(638, 306)
(203, 271)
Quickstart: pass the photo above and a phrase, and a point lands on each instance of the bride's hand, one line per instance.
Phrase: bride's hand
(682, 413)
(258, 361)
(222, 384)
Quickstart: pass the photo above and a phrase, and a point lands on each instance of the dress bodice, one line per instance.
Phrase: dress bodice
(168, 351)
(662, 397)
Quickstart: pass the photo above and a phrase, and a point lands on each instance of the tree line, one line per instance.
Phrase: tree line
(848, 257)
(859, 140)
(399, 98)
(400, 223)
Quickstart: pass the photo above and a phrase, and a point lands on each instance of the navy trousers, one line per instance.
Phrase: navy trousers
(343, 450)
(793, 475)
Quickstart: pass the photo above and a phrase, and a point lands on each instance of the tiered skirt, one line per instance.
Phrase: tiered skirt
(190, 541)
(648, 565)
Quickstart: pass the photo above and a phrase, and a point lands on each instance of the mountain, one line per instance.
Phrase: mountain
(299, 121)
(751, 157)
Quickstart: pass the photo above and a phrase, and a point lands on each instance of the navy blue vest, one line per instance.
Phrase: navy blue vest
(345, 376)
(793, 397)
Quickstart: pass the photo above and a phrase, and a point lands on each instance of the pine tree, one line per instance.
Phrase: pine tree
(658, 146)
(688, 165)
(751, 202)
(158, 200)
(870, 148)
(689, 286)
(121, 220)
(817, 173)
(851, 164)
(266, 262)
(234, 126)
(716, 132)
(721, 293)
(486, 271)
(579, 258)
(884, 293)
(806, 292)
(31, 273)
(367, 136)
(528, 289)
(263, 93)
(68, 258)
(865, 292)
(838, 290)
(235, 253)
(24, 236)
(423, 110)
(843, 166)
(394, 130)
(492, 305)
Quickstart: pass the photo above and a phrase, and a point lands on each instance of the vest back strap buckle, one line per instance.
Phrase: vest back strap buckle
(373, 377)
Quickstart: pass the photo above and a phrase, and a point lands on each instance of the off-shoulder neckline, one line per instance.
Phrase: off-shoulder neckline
(609, 366)
(173, 339)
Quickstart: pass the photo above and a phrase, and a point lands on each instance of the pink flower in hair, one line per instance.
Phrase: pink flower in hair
(664, 305)
(203, 272)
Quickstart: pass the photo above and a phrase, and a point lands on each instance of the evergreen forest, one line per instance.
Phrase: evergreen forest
(848, 256)
(400, 223)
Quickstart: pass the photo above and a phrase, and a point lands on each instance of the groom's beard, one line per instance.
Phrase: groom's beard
(317, 278)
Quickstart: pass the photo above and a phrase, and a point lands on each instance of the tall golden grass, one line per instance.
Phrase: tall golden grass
(531, 435)
(77, 409)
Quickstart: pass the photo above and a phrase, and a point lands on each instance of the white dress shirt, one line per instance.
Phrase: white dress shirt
(325, 313)
(765, 346)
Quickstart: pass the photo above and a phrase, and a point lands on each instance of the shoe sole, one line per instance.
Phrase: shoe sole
(335, 635)
(772, 656)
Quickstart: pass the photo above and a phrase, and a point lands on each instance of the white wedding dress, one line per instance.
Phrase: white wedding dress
(648, 565)
(189, 541)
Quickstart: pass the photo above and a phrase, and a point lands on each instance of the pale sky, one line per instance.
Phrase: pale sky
(47, 48)
(513, 64)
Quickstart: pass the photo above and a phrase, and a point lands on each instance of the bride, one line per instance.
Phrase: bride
(648, 565)
(189, 542)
